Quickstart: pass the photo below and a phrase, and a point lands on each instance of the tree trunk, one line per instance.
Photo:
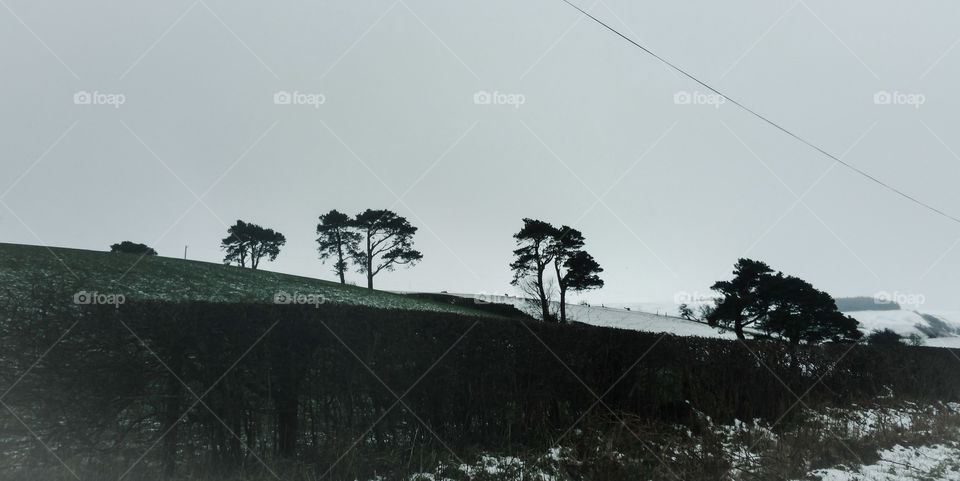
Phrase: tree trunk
(544, 304)
(369, 264)
(563, 305)
(287, 425)
(563, 290)
(738, 328)
(171, 420)
(341, 265)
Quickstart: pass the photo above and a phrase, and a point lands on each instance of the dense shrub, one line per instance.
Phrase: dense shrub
(226, 384)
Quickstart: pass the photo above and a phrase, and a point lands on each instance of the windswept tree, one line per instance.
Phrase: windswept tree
(386, 242)
(337, 239)
(798, 312)
(532, 257)
(784, 307)
(251, 242)
(127, 247)
(576, 270)
(741, 304)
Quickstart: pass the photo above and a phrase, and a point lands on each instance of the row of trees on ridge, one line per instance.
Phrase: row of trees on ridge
(542, 246)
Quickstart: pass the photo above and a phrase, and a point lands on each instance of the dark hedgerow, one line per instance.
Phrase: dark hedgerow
(198, 386)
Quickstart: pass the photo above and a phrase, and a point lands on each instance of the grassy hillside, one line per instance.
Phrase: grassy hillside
(25, 266)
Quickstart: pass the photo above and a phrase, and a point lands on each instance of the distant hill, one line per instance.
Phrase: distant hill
(854, 304)
(25, 267)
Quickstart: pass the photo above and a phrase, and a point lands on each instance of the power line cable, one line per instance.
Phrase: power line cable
(767, 120)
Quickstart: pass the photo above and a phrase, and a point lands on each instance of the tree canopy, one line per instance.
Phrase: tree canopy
(337, 239)
(781, 306)
(251, 242)
(127, 247)
(541, 245)
(386, 242)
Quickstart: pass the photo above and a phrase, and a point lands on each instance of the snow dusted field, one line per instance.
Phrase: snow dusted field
(620, 317)
(662, 317)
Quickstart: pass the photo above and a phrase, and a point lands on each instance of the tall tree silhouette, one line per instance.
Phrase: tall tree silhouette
(576, 270)
(250, 241)
(532, 257)
(386, 242)
(338, 240)
(582, 273)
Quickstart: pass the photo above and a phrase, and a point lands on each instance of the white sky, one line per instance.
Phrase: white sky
(686, 189)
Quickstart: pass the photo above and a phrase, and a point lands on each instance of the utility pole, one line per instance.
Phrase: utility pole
(185, 251)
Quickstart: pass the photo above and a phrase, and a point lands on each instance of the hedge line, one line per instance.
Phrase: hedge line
(314, 383)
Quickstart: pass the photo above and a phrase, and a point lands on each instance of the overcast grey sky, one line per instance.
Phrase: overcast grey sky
(684, 188)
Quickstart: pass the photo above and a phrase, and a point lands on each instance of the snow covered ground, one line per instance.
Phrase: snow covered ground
(755, 450)
(621, 317)
(662, 317)
(940, 462)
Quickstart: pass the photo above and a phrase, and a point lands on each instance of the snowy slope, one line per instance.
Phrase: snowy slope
(618, 317)
(942, 323)
(662, 317)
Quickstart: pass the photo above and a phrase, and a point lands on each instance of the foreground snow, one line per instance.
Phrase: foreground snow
(754, 449)
(939, 462)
